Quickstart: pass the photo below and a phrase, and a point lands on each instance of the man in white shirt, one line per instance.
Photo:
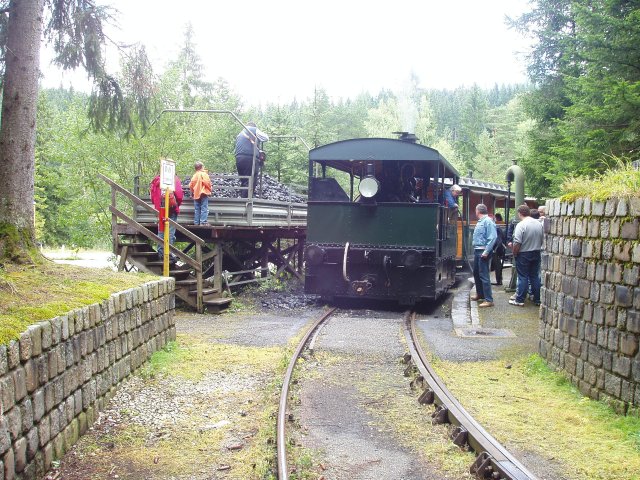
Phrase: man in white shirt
(527, 244)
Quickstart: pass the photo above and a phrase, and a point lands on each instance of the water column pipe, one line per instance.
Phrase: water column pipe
(516, 174)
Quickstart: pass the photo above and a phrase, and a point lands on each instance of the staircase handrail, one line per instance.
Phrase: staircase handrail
(138, 201)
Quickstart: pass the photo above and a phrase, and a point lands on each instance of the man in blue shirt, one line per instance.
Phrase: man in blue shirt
(248, 147)
(484, 236)
(451, 196)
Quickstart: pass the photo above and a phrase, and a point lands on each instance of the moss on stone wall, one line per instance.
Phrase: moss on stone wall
(32, 293)
(622, 181)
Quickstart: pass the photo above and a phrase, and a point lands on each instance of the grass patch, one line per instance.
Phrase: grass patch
(191, 358)
(30, 294)
(530, 407)
(185, 449)
(621, 181)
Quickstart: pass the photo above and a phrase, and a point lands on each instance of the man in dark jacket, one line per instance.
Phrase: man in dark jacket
(499, 250)
(248, 151)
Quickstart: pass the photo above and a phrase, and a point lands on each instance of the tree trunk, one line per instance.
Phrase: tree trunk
(18, 129)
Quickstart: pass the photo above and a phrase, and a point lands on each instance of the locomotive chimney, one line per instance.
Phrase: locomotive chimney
(407, 137)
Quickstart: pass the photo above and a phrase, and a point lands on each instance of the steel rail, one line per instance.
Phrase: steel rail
(493, 460)
(284, 396)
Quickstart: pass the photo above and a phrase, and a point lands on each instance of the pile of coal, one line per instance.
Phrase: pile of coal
(292, 301)
(268, 189)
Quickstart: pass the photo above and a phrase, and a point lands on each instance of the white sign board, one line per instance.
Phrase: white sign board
(167, 173)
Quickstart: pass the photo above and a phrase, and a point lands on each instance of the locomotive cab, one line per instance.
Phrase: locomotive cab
(376, 223)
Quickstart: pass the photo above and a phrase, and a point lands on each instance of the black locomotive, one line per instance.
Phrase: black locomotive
(392, 238)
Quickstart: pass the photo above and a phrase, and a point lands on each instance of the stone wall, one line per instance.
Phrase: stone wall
(590, 313)
(62, 372)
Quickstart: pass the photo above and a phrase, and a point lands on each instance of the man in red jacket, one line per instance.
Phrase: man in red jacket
(175, 200)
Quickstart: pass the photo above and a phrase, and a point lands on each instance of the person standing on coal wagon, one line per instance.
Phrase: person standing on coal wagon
(200, 186)
(249, 155)
(175, 200)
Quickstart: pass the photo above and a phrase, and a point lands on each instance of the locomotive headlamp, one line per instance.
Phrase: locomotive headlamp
(368, 187)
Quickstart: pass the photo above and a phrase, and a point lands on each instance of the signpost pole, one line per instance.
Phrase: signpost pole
(165, 266)
(167, 179)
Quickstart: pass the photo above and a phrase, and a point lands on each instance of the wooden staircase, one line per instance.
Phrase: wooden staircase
(132, 243)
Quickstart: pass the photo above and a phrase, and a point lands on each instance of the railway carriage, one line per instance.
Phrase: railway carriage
(389, 237)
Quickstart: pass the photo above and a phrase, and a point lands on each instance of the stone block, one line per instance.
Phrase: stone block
(610, 207)
(64, 319)
(633, 321)
(5, 436)
(621, 322)
(612, 339)
(14, 422)
(31, 375)
(612, 384)
(628, 344)
(35, 331)
(630, 275)
(626, 392)
(597, 208)
(629, 230)
(19, 383)
(635, 371)
(607, 293)
(26, 346)
(622, 366)
(56, 331)
(58, 446)
(26, 410)
(622, 209)
(38, 405)
(32, 443)
(622, 251)
(623, 296)
(568, 307)
(42, 367)
(4, 366)
(614, 230)
(20, 452)
(575, 347)
(7, 392)
(9, 465)
(44, 431)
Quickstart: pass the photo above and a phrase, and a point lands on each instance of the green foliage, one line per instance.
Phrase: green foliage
(621, 181)
(587, 104)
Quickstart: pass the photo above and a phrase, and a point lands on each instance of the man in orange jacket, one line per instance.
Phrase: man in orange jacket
(200, 186)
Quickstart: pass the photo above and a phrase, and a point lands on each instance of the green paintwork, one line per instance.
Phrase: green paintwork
(382, 224)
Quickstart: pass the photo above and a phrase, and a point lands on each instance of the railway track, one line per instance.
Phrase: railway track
(493, 461)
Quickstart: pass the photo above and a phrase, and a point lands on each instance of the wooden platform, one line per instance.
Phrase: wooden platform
(246, 241)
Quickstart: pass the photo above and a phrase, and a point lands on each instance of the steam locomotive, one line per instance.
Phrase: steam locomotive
(391, 236)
